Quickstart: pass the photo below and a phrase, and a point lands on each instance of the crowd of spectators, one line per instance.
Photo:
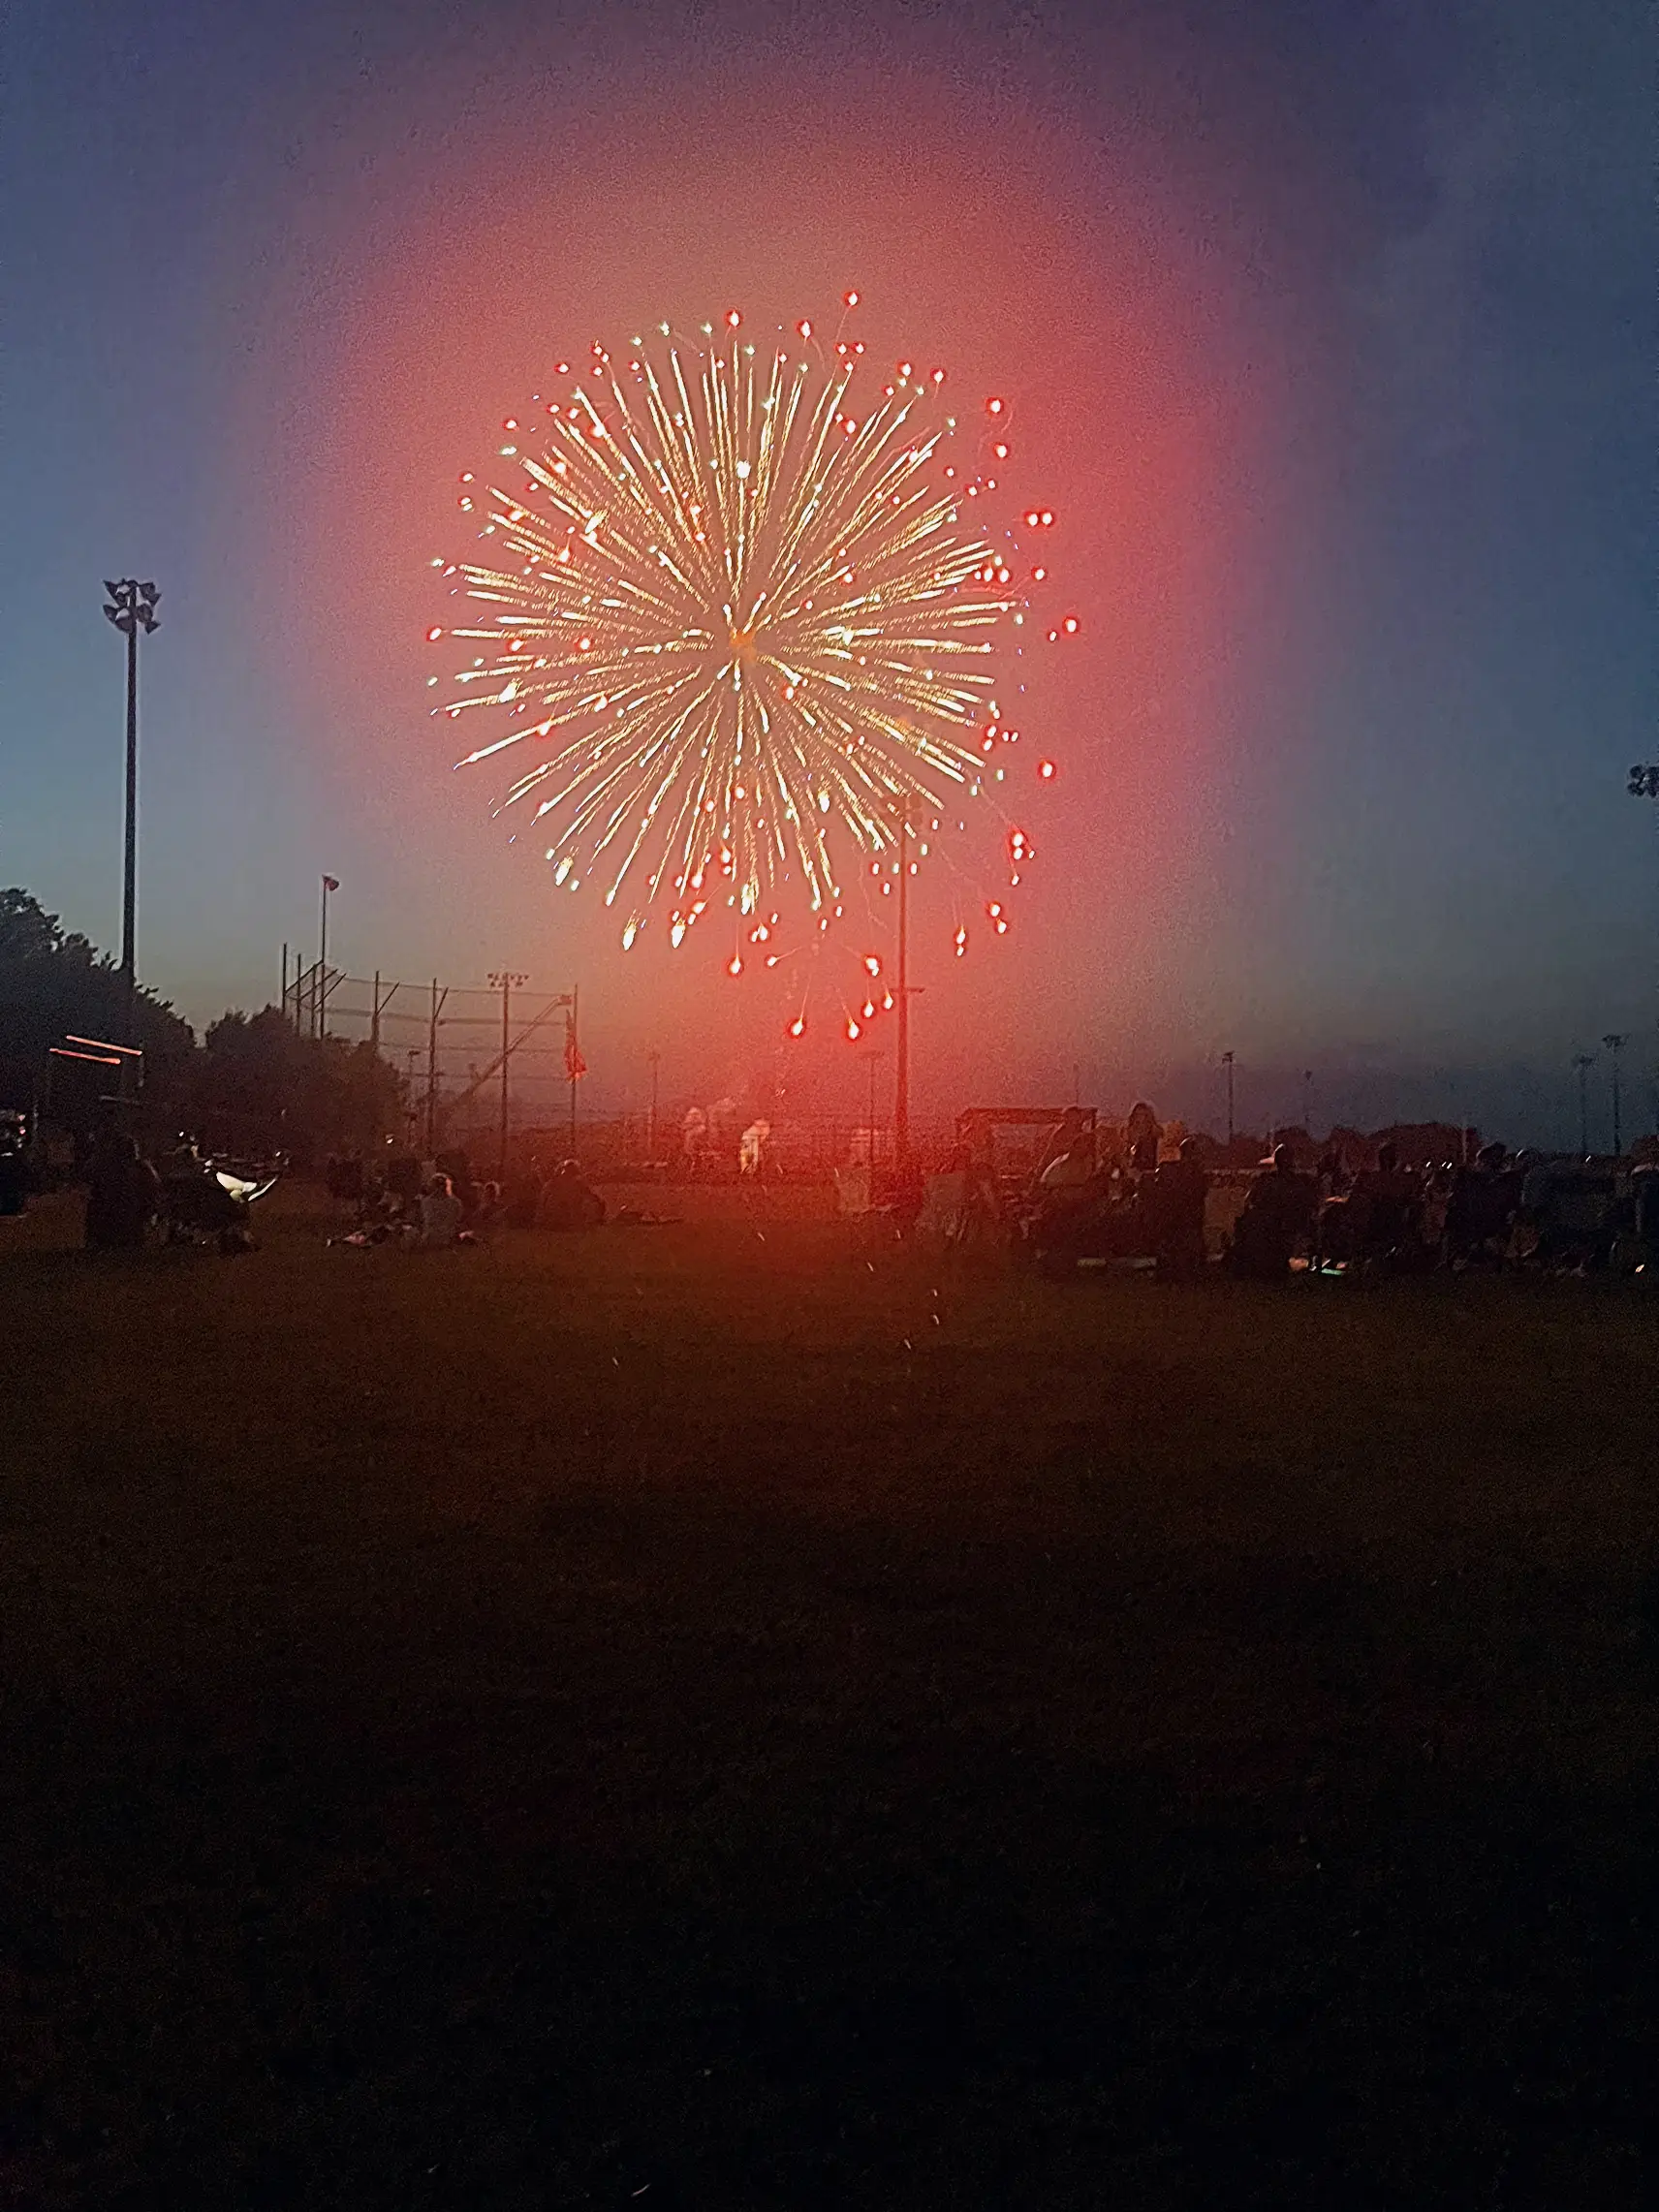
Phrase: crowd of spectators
(1090, 1200)
(440, 1204)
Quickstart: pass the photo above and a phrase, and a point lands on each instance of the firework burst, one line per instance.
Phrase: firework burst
(740, 623)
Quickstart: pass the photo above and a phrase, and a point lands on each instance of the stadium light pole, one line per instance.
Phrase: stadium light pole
(1643, 781)
(131, 606)
(1615, 1042)
(1583, 1062)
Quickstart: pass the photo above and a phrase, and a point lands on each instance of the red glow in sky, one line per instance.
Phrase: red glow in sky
(1117, 428)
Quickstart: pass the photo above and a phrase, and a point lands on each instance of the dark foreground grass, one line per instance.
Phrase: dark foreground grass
(678, 1718)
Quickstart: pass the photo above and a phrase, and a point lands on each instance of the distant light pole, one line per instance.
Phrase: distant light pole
(502, 980)
(330, 884)
(1615, 1042)
(131, 606)
(1308, 1100)
(1583, 1062)
(655, 1059)
(1227, 1063)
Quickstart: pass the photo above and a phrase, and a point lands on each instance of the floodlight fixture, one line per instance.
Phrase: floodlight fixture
(131, 606)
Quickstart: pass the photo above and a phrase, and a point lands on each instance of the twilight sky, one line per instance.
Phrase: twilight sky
(1330, 332)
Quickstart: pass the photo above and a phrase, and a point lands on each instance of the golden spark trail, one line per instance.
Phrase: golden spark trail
(738, 623)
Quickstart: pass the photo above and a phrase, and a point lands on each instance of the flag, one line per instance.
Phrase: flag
(330, 882)
(575, 1065)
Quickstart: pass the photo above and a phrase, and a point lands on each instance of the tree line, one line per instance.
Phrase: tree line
(251, 1083)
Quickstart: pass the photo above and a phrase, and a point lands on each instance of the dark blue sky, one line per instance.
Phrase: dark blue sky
(1412, 246)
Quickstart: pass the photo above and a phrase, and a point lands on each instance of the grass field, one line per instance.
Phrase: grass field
(723, 1716)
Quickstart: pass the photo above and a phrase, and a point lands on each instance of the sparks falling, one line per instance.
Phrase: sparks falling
(740, 622)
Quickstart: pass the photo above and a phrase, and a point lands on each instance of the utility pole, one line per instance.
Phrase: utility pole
(379, 1007)
(502, 980)
(1615, 1042)
(1583, 1062)
(573, 1063)
(901, 1075)
(432, 1068)
(655, 1059)
(1227, 1063)
(131, 606)
(1308, 1100)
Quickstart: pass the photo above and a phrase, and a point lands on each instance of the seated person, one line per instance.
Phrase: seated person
(1060, 1140)
(1178, 1194)
(570, 1203)
(1066, 1189)
(1107, 1216)
(1142, 1134)
(1072, 1168)
(440, 1215)
(1389, 1203)
(1277, 1214)
(1480, 1209)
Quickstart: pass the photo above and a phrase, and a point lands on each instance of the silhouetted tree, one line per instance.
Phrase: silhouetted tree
(260, 1086)
(54, 982)
(253, 1083)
